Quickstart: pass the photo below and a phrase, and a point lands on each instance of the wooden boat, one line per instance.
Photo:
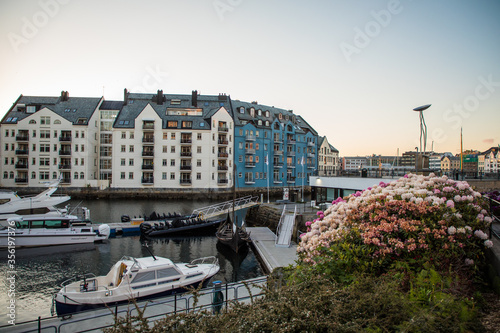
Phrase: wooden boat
(232, 235)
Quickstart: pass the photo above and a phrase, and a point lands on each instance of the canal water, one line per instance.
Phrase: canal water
(40, 271)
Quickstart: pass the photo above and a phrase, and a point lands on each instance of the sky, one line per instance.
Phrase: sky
(354, 70)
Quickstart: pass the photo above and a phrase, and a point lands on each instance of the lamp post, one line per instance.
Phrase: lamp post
(423, 126)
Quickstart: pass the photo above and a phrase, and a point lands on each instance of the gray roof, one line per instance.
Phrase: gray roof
(111, 105)
(73, 109)
(136, 103)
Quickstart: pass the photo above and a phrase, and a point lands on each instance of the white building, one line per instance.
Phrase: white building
(45, 137)
(328, 158)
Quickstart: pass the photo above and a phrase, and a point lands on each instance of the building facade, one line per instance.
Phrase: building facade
(328, 158)
(156, 141)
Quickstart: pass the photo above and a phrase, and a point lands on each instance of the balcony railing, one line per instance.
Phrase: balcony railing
(22, 138)
(278, 165)
(65, 138)
(311, 144)
(65, 166)
(148, 126)
(222, 167)
(148, 153)
(21, 151)
(185, 181)
(223, 155)
(148, 140)
(185, 167)
(147, 167)
(21, 165)
(223, 181)
(64, 152)
(290, 166)
(278, 152)
(250, 138)
(249, 181)
(66, 181)
(249, 151)
(147, 180)
(250, 164)
(291, 141)
(186, 141)
(290, 153)
(277, 181)
(223, 142)
(186, 154)
(223, 129)
(310, 166)
(21, 180)
(310, 155)
(277, 140)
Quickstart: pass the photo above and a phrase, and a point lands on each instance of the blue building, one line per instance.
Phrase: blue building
(273, 147)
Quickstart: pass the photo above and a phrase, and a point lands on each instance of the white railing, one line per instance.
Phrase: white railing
(285, 228)
(280, 225)
(226, 207)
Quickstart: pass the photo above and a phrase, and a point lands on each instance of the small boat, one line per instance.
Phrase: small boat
(178, 226)
(133, 279)
(12, 205)
(48, 230)
(232, 235)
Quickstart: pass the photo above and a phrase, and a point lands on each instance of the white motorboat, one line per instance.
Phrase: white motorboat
(12, 205)
(133, 279)
(47, 230)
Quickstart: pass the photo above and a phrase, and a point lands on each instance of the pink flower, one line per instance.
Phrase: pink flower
(437, 191)
(308, 223)
(450, 204)
(488, 244)
(469, 261)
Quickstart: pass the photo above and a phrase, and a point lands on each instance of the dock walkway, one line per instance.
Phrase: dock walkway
(264, 241)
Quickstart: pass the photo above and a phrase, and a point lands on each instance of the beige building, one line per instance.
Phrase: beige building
(328, 158)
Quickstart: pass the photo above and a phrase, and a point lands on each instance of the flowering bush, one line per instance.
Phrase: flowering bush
(415, 217)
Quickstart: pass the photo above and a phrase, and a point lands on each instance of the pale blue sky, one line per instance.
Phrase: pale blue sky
(353, 69)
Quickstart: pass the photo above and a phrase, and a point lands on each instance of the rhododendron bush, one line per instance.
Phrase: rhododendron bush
(416, 216)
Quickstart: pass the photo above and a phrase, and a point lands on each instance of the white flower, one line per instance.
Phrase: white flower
(452, 230)
(461, 230)
(480, 234)
(469, 261)
(488, 244)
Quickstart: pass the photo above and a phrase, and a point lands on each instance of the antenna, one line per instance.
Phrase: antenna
(151, 253)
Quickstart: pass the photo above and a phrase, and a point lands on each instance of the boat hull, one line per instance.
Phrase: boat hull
(185, 230)
(33, 240)
(64, 309)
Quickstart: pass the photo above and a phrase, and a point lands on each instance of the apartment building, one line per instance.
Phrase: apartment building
(328, 158)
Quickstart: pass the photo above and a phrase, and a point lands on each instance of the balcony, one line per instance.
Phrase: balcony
(223, 155)
(249, 181)
(148, 153)
(65, 138)
(148, 140)
(250, 138)
(21, 165)
(148, 126)
(64, 152)
(249, 164)
(310, 166)
(290, 153)
(222, 181)
(311, 144)
(222, 168)
(290, 166)
(277, 181)
(185, 181)
(278, 165)
(290, 180)
(66, 181)
(249, 151)
(278, 152)
(223, 142)
(186, 167)
(291, 141)
(21, 180)
(21, 137)
(147, 167)
(186, 154)
(311, 155)
(65, 166)
(223, 129)
(147, 180)
(277, 140)
(21, 151)
(186, 141)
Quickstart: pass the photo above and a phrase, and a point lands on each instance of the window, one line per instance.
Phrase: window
(82, 175)
(172, 124)
(44, 148)
(75, 176)
(164, 175)
(44, 120)
(34, 133)
(44, 175)
(6, 147)
(44, 161)
(172, 136)
(44, 134)
(122, 162)
(198, 149)
(198, 175)
(76, 147)
(240, 158)
(5, 175)
(131, 135)
(165, 149)
(33, 121)
(198, 136)
(172, 162)
(242, 109)
(164, 162)
(123, 149)
(130, 175)
(130, 149)
(187, 124)
(172, 149)
(172, 176)
(122, 175)
(165, 135)
(198, 163)
(33, 161)
(124, 135)
(131, 162)
(57, 122)
(76, 134)
(81, 161)
(83, 148)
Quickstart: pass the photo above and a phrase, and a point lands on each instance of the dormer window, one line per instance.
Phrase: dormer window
(259, 122)
(267, 113)
(267, 122)
(280, 116)
(242, 109)
(259, 112)
(252, 112)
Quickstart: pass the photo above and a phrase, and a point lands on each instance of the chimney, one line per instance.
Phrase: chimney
(64, 96)
(125, 96)
(222, 97)
(159, 97)
(194, 98)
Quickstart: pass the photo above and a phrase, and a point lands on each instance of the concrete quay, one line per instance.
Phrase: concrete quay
(263, 240)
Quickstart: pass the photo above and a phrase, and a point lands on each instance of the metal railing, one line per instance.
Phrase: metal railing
(495, 224)
(226, 207)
